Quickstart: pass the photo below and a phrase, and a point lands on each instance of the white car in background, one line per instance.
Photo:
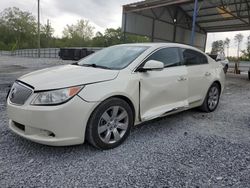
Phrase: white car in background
(221, 59)
(102, 96)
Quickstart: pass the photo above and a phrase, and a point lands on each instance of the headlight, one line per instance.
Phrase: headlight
(54, 97)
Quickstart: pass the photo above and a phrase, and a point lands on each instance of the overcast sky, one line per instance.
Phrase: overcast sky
(101, 13)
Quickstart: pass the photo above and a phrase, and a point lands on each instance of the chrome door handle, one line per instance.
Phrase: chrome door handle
(182, 78)
(207, 74)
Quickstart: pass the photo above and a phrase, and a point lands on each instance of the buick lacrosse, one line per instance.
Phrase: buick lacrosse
(102, 96)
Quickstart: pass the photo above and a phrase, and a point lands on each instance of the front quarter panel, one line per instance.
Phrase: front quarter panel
(126, 85)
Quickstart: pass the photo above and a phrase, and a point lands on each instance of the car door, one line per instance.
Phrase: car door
(163, 91)
(199, 75)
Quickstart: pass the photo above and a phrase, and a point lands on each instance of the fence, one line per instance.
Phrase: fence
(5, 53)
(44, 52)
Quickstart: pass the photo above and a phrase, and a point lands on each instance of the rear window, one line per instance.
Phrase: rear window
(192, 57)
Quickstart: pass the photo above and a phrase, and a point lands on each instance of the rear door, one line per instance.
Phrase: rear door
(198, 73)
(166, 90)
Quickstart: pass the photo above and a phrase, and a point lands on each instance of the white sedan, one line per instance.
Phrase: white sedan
(102, 96)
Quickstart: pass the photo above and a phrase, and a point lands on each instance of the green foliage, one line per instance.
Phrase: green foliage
(46, 35)
(246, 53)
(116, 36)
(227, 45)
(217, 47)
(18, 30)
(238, 39)
(81, 30)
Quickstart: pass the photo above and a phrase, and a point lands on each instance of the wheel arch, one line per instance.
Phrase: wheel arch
(122, 97)
(127, 100)
(217, 82)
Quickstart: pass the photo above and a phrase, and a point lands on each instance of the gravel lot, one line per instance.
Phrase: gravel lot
(190, 149)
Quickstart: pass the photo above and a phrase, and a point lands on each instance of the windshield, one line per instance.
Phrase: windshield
(115, 57)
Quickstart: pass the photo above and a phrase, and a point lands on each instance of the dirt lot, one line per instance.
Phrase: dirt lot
(190, 149)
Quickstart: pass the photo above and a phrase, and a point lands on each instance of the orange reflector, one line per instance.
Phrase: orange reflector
(74, 90)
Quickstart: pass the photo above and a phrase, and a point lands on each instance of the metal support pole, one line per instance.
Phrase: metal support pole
(153, 31)
(194, 23)
(38, 28)
(205, 43)
(125, 25)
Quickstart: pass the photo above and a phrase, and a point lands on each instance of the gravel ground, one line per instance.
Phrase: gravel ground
(189, 149)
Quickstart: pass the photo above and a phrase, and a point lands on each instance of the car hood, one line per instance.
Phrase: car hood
(67, 76)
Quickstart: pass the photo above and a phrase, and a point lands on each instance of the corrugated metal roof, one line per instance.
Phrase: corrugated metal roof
(213, 15)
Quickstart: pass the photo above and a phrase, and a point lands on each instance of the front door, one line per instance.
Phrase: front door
(163, 91)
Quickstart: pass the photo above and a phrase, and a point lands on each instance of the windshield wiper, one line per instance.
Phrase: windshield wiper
(95, 66)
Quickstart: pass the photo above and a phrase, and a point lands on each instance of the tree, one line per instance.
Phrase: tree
(227, 44)
(246, 53)
(47, 30)
(82, 29)
(238, 39)
(17, 29)
(98, 40)
(217, 47)
(46, 35)
(113, 36)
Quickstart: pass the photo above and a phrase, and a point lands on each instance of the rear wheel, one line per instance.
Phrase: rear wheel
(110, 124)
(212, 98)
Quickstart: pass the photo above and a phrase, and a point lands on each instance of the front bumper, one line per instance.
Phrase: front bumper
(59, 125)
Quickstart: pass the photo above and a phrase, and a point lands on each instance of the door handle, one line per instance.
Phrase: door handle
(182, 78)
(207, 74)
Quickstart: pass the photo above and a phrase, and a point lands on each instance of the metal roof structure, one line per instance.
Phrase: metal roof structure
(212, 15)
(185, 21)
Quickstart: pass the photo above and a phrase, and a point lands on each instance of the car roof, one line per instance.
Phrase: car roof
(162, 44)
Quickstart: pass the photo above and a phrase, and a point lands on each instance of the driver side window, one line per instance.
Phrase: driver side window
(168, 56)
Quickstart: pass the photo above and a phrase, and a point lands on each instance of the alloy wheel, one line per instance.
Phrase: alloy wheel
(213, 98)
(113, 124)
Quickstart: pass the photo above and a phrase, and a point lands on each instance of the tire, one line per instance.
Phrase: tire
(112, 117)
(212, 98)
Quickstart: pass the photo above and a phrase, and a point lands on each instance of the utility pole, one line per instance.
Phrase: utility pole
(38, 27)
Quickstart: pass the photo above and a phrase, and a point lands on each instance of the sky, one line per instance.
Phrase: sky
(102, 14)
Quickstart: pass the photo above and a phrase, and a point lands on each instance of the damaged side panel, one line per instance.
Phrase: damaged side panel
(163, 91)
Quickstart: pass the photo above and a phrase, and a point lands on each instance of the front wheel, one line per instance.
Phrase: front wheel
(110, 124)
(212, 98)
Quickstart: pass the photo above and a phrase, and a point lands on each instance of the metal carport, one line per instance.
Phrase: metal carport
(173, 20)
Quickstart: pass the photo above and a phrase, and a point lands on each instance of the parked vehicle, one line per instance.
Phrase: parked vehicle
(74, 53)
(101, 97)
(221, 59)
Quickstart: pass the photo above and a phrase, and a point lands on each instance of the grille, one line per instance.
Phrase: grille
(19, 93)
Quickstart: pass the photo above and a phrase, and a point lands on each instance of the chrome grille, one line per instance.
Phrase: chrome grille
(19, 93)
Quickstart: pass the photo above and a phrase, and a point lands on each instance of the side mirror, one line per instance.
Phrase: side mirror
(152, 65)
(218, 60)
